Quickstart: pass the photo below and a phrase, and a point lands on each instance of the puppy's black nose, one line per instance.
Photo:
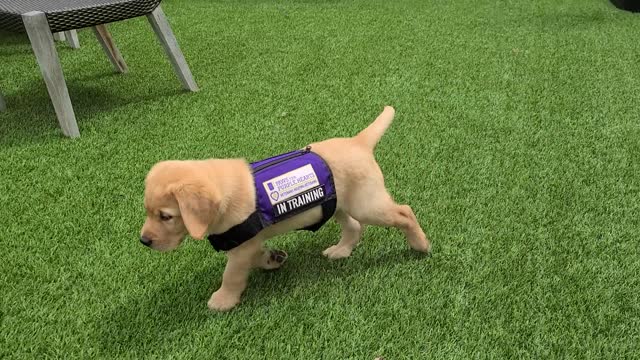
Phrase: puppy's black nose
(145, 240)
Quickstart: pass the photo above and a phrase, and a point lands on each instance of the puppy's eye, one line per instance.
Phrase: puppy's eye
(165, 217)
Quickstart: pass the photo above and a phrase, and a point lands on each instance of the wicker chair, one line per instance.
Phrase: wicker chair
(42, 18)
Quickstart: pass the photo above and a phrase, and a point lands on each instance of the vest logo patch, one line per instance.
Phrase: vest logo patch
(291, 184)
(300, 201)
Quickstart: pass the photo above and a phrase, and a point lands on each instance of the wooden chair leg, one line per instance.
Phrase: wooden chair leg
(110, 48)
(41, 39)
(59, 36)
(3, 105)
(72, 39)
(162, 29)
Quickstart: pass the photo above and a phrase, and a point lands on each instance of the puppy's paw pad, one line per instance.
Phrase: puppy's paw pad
(278, 256)
(222, 302)
(337, 252)
(276, 259)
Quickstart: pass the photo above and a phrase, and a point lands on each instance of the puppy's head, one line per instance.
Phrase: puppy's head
(178, 200)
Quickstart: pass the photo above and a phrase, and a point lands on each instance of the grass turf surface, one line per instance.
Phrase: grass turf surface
(515, 141)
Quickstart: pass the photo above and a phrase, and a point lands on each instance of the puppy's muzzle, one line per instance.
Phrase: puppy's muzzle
(145, 240)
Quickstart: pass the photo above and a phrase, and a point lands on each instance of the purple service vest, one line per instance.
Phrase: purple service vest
(286, 185)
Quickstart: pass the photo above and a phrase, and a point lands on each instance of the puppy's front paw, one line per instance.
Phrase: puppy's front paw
(222, 301)
(337, 252)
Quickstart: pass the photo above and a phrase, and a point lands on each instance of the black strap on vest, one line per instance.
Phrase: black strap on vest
(328, 209)
(253, 225)
(237, 234)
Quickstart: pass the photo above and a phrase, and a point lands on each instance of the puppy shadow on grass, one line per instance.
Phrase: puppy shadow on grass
(151, 320)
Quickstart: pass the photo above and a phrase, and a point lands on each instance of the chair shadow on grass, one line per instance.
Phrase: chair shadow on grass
(180, 306)
(30, 115)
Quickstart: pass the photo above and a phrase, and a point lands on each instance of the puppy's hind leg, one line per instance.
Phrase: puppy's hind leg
(381, 210)
(351, 233)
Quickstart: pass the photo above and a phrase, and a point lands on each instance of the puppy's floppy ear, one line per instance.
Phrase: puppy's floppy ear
(198, 209)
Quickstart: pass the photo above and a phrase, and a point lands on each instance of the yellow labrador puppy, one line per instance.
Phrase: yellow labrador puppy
(222, 199)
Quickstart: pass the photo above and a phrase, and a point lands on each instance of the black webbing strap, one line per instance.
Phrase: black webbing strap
(237, 234)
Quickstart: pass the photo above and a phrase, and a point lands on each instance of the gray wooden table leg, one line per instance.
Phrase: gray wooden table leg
(72, 39)
(110, 48)
(59, 36)
(162, 29)
(3, 105)
(39, 33)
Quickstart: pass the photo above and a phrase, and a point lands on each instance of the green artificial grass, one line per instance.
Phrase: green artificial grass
(516, 142)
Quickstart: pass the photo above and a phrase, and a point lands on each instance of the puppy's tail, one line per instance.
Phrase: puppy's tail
(370, 136)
